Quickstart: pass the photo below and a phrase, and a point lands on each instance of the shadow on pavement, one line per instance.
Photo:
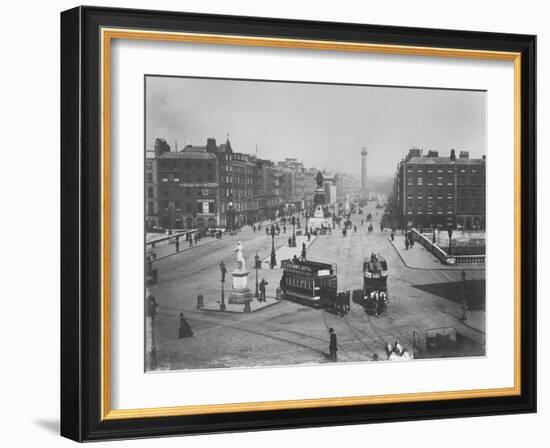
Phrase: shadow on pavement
(454, 291)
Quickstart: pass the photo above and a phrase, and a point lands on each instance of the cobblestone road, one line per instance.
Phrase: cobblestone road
(288, 333)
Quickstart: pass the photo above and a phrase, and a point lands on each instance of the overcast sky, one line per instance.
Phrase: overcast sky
(325, 125)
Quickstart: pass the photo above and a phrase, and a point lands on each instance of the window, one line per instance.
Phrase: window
(149, 177)
(210, 177)
(211, 207)
(150, 192)
(150, 207)
(188, 207)
(419, 181)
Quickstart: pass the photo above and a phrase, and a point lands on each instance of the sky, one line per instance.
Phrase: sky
(324, 125)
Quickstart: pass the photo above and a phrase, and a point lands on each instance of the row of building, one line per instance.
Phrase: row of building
(215, 186)
(441, 191)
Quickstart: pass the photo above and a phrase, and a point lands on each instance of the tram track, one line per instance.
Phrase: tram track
(345, 319)
(387, 312)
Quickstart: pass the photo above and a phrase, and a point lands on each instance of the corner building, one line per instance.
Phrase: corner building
(441, 192)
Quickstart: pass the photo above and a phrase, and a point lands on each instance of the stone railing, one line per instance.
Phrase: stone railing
(443, 256)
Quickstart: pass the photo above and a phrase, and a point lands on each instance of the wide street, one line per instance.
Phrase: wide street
(288, 333)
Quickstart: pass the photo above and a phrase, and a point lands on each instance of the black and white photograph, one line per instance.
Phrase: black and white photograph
(292, 223)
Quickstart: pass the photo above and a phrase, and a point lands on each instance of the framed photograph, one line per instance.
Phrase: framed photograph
(273, 223)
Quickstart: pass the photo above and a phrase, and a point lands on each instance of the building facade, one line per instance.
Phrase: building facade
(210, 186)
(187, 190)
(441, 191)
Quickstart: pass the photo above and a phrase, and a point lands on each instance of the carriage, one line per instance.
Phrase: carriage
(314, 284)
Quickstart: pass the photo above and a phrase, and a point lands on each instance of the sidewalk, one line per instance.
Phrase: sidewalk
(418, 257)
(286, 253)
(255, 305)
(166, 248)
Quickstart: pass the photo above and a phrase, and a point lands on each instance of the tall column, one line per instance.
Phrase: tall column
(364, 192)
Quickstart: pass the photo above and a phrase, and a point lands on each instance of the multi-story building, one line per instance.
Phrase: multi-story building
(245, 202)
(267, 189)
(346, 186)
(151, 191)
(187, 189)
(329, 181)
(441, 191)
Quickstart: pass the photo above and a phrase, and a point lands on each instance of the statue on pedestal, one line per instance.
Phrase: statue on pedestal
(240, 257)
(320, 179)
(240, 292)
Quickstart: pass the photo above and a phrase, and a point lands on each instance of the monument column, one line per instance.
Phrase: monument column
(364, 190)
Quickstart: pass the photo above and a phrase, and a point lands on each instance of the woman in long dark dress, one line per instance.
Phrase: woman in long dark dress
(185, 329)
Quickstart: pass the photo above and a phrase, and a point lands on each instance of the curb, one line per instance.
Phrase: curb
(430, 269)
(242, 312)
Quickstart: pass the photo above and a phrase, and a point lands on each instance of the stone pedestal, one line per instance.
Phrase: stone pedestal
(240, 292)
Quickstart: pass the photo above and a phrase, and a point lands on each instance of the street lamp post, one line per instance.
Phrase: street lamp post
(231, 215)
(273, 262)
(450, 232)
(293, 231)
(463, 276)
(223, 271)
(256, 266)
(152, 306)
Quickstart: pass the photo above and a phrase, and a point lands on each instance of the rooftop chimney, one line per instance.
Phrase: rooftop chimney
(211, 145)
(464, 154)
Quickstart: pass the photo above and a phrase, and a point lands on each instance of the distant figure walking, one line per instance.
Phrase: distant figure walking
(333, 345)
(406, 244)
(185, 329)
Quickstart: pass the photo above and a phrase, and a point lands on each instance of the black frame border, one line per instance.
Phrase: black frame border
(81, 223)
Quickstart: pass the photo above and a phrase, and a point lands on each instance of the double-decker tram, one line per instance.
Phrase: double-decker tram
(310, 283)
(374, 296)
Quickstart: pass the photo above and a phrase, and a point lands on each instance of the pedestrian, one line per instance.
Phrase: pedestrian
(303, 251)
(392, 236)
(191, 242)
(406, 244)
(354, 229)
(185, 330)
(289, 242)
(263, 284)
(284, 229)
(361, 222)
(254, 228)
(333, 345)
(308, 237)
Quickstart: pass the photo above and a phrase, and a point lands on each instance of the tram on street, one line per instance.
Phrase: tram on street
(374, 297)
(314, 284)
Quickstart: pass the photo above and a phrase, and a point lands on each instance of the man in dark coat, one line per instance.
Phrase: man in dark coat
(333, 345)
(185, 329)
(263, 284)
